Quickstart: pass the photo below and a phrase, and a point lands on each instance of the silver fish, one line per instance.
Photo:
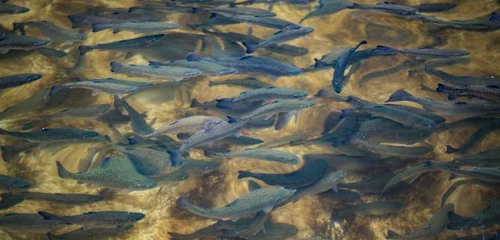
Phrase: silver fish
(55, 32)
(106, 219)
(18, 80)
(97, 86)
(28, 223)
(262, 153)
(275, 23)
(189, 124)
(155, 72)
(267, 94)
(287, 106)
(254, 12)
(133, 44)
(279, 38)
(136, 27)
(14, 42)
(206, 68)
(326, 183)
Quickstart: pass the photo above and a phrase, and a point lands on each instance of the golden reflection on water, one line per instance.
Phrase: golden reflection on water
(167, 102)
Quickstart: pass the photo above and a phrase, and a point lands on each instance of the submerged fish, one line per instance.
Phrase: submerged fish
(114, 172)
(430, 229)
(290, 107)
(381, 130)
(258, 200)
(243, 228)
(484, 158)
(374, 185)
(133, 44)
(485, 218)
(326, 7)
(54, 32)
(28, 223)
(326, 183)
(56, 134)
(7, 8)
(18, 80)
(97, 86)
(275, 23)
(278, 38)
(88, 18)
(275, 231)
(206, 68)
(477, 137)
(487, 174)
(426, 53)
(254, 12)
(462, 80)
(387, 7)
(155, 72)
(73, 199)
(490, 92)
(251, 83)
(105, 219)
(266, 94)
(388, 150)
(148, 162)
(251, 64)
(92, 233)
(136, 27)
(12, 183)
(15, 42)
(308, 174)
(261, 153)
(338, 76)
(367, 209)
(137, 120)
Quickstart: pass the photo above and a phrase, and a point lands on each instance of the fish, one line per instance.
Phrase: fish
(341, 195)
(114, 172)
(136, 27)
(137, 120)
(486, 174)
(486, 218)
(49, 52)
(88, 18)
(341, 65)
(262, 154)
(238, 11)
(97, 86)
(251, 64)
(377, 131)
(387, 7)
(104, 219)
(484, 158)
(331, 59)
(54, 32)
(206, 68)
(490, 92)
(8, 202)
(93, 233)
(148, 162)
(274, 23)
(267, 94)
(72, 199)
(326, 8)
(206, 137)
(263, 199)
(86, 111)
(7, 8)
(453, 109)
(133, 44)
(121, 82)
(13, 42)
(329, 181)
(412, 63)
(382, 208)
(28, 223)
(373, 185)
(283, 106)
(233, 109)
(278, 38)
(426, 53)
(462, 80)
(56, 134)
(481, 133)
(345, 162)
(13, 183)
(189, 168)
(18, 80)
(490, 23)
(251, 83)
(275, 231)
(435, 7)
(155, 72)
(388, 150)
(308, 174)
(431, 228)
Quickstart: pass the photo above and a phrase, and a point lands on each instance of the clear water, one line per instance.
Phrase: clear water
(166, 101)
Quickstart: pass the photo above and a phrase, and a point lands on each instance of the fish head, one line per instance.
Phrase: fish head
(17, 184)
(337, 86)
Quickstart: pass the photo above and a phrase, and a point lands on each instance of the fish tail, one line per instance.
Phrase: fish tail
(457, 222)
(245, 174)
(84, 49)
(224, 103)
(77, 21)
(115, 66)
(54, 89)
(251, 48)
(319, 64)
(399, 95)
(62, 172)
(175, 158)
(392, 235)
(443, 88)
(48, 216)
(97, 27)
(193, 57)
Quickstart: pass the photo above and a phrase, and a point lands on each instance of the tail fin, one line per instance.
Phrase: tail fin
(10, 200)
(97, 27)
(175, 158)
(359, 44)
(84, 49)
(251, 48)
(319, 64)
(78, 20)
(62, 172)
(495, 17)
(392, 235)
(457, 222)
(231, 119)
(400, 95)
(54, 89)
(224, 103)
(48, 216)
(245, 174)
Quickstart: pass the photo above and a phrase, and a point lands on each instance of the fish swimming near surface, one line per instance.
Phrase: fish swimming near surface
(90, 17)
(136, 27)
(262, 154)
(263, 199)
(485, 218)
(73, 199)
(267, 94)
(133, 44)
(105, 219)
(278, 38)
(114, 172)
(387, 7)
(18, 80)
(13, 183)
(92, 233)
(308, 174)
(56, 134)
(338, 76)
(426, 53)
(431, 228)
(97, 86)
(155, 72)
(7, 8)
(326, 7)
(251, 83)
(54, 32)
(329, 181)
(483, 159)
(251, 64)
(486, 174)
(490, 92)
(29, 223)
(15, 42)
(275, 23)
(367, 209)
(206, 68)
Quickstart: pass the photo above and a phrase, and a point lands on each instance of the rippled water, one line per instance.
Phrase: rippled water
(166, 102)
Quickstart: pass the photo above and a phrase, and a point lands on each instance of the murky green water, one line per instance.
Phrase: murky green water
(374, 79)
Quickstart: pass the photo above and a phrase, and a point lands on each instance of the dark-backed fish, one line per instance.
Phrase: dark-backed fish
(105, 219)
(137, 120)
(387, 7)
(338, 76)
(54, 32)
(155, 71)
(367, 209)
(147, 161)
(426, 53)
(136, 27)
(29, 223)
(7, 8)
(73, 199)
(56, 134)
(251, 83)
(490, 92)
(15, 42)
(279, 38)
(206, 68)
(13, 183)
(262, 154)
(485, 218)
(92, 233)
(18, 80)
(462, 80)
(133, 44)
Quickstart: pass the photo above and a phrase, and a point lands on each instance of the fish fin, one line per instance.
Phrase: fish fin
(115, 31)
(232, 119)
(450, 149)
(96, 27)
(195, 103)
(84, 49)
(251, 48)
(268, 209)
(318, 63)
(252, 185)
(48, 216)
(115, 66)
(54, 89)
(283, 120)
(495, 17)
(193, 57)
(224, 103)
(399, 95)
(442, 88)
(135, 140)
(62, 171)
(175, 158)
(392, 235)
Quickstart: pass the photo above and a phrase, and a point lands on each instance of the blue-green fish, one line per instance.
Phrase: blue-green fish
(18, 80)
(105, 219)
(154, 71)
(13, 183)
(133, 44)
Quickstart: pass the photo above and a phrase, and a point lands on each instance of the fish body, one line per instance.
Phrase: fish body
(307, 175)
(148, 162)
(115, 172)
(282, 106)
(139, 124)
(387, 7)
(485, 158)
(122, 82)
(93, 233)
(88, 18)
(251, 83)
(73, 199)
(275, 231)
(136, 27)
(487, 174)
(267, 94)
(462, 80)
(263, 199)
(327, 8)
(426, 53)
(490, 92)
(87, 111)
(402, 116)
(414, 172)
(14, 42)
(55, 32)
(329, 181)
(55, 134)
(435, 7)
(388, 150)
(338, 76)
(155, 72)
(28, 223)
(97, 86)
(264, 154)
(278, 38)
(254, 12)
(105, 219)
(206, 68)
(189, 124)
(371, 186)
(13, 183)
(368, 209)
(251, 64)
(383, 130)
(274, 23)
(133, 44)
(18, 80)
